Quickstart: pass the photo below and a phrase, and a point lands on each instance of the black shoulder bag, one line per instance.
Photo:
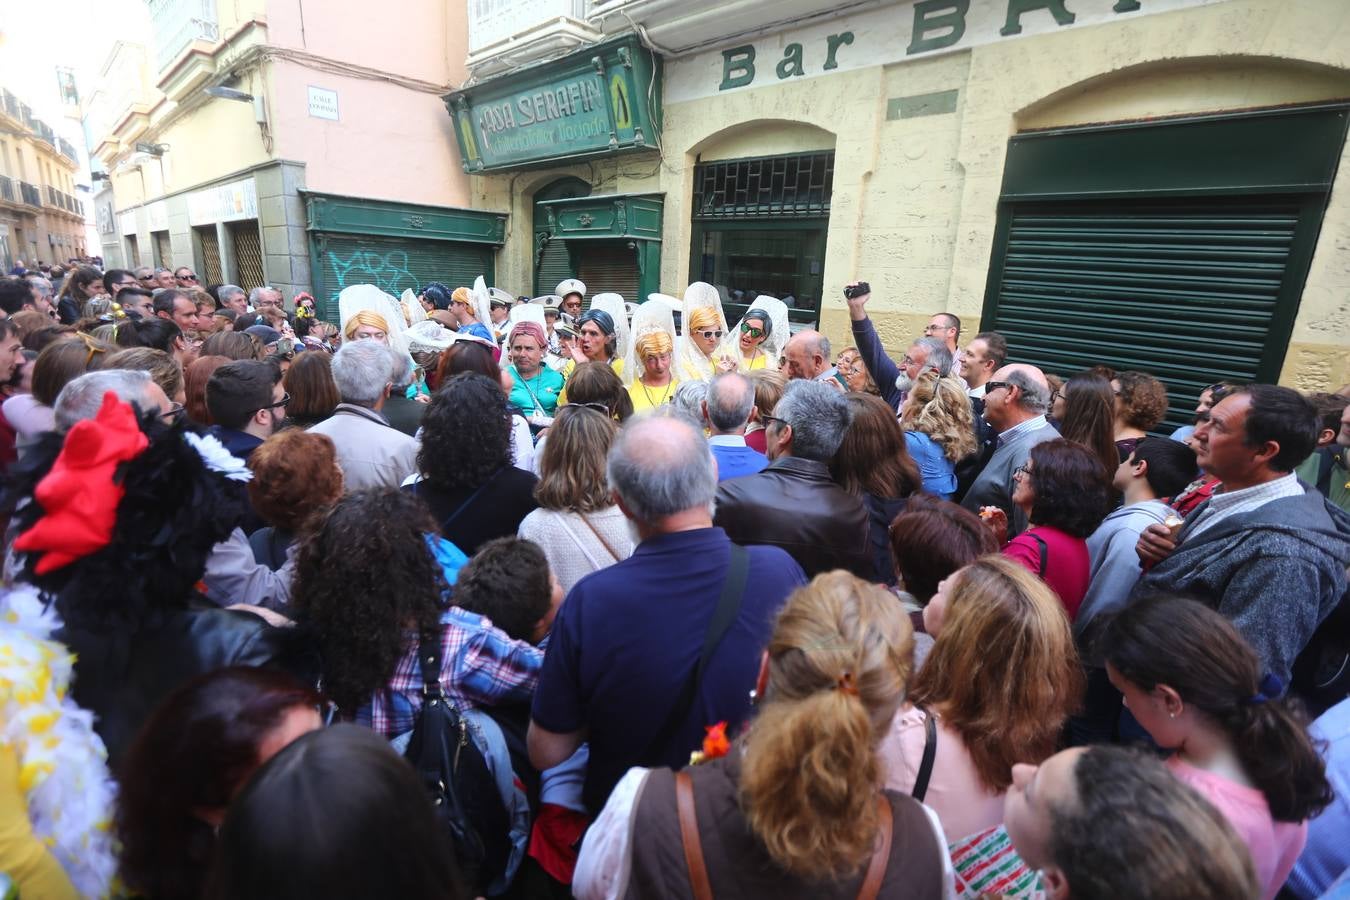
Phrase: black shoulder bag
(457, 777)
(728, 605)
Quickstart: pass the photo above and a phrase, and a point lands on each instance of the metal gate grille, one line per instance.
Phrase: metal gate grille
(248, 260)
(607, 266)
(1185, 290)
(798, 185)
(209, 242)
(163, 249)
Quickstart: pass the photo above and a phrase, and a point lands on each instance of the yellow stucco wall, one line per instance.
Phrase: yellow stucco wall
(915, 199)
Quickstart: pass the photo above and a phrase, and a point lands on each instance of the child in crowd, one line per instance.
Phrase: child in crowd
(508, 580)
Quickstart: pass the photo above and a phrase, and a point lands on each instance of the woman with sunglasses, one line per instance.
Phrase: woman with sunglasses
(704, 326)
(759, 338)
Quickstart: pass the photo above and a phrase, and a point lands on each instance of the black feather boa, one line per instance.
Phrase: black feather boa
(174, 511)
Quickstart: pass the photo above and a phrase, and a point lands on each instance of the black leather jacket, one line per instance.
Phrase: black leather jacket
(121, 675)
(795, 505)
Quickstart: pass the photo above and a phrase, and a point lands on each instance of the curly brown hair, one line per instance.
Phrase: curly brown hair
(1142, 400)
(1007, 706)
(365, 578)
(295, 475)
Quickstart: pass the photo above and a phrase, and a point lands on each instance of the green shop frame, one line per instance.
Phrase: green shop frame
(599, 101)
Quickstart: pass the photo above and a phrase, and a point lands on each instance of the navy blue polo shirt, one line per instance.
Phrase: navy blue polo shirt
(629, 636)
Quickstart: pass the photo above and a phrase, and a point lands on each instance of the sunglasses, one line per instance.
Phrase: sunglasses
(991, 386)
(752, 331)
(187, 277)
(174, 414)
(710, 335)
(285, 398)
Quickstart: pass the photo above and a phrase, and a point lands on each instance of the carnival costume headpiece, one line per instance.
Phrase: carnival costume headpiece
(701, 311)
(653, 333)
(777, 331)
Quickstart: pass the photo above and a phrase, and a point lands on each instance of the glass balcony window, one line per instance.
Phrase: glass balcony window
(177, 23)
(491, 21)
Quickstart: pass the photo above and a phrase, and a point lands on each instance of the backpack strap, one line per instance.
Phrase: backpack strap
(929, 754)
(881, 853)
(728, 605)
(693, 847)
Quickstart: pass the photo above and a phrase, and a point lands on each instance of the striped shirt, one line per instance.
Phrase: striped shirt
(1231, 503)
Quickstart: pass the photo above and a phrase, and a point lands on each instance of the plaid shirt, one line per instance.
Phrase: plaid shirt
(481, 666)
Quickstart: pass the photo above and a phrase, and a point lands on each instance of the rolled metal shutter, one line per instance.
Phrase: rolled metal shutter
(555, 265)
(1185, 290)
(394, 264)
(608, 266)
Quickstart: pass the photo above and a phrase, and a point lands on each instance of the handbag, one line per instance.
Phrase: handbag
(929, 755)
(457, 778)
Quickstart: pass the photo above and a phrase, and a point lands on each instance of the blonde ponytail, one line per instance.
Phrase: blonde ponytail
(839, 660)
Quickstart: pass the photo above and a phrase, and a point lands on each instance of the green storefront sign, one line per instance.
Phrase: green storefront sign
(601, 100)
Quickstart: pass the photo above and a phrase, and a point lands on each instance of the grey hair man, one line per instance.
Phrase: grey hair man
(610, 643)
(687, 400)
(232, 296)
(82, 398)
(371, 452)
(1015, 402)
(926, 353)
(727, 410)
(808, 357)
(403, 413)
(42, 294)
(146, 276)
(261, 298)
(794, 503)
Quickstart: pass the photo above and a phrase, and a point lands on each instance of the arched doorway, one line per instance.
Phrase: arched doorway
(552, 261)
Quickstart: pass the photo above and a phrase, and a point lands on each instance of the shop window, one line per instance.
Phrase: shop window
(760, 227)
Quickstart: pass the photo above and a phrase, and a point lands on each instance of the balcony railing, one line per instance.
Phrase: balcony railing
(7, 189)
(62, 200)
(67, 149)
(30, 193)
(11, 104)
(491, 21)
(178, 23)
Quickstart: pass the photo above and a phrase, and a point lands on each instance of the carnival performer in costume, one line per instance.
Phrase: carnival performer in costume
(56, 797)
(499, 313)
(537, 387)
(602, 333)
(121, 559)
(573, 294)
(761, 335)
(473, 308)
(703, 326)
(651, 360)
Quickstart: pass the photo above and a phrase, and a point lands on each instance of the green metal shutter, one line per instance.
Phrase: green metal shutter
(555, 266)
(1185, 290)
(394, 264)
(1176, 247)
(607, 266)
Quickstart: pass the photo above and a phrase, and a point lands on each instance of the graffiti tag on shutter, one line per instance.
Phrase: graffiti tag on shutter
(387, 271)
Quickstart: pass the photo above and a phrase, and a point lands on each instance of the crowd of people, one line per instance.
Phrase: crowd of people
(469, 594)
